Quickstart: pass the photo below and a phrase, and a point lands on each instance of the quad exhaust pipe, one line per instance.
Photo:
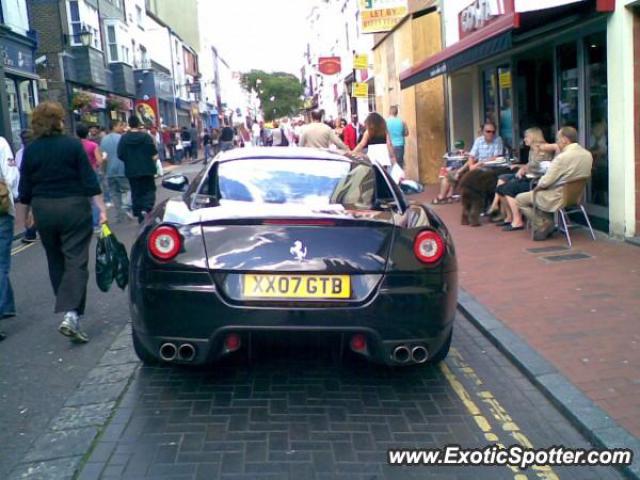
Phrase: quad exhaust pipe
(186, 352)
(401, 354)
(419, 354)
(169, 352)
(404, 354)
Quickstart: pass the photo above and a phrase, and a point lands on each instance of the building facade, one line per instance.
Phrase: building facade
(84, 58)
(334, 33)
(521, 65)
(421, 105)
(18, 78)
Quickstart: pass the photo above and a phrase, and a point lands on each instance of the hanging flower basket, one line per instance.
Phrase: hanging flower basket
(116, 104)
(81, 101)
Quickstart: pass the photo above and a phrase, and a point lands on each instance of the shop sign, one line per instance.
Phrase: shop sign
(16, 56)
(329, 65)
(479, 14)
(147, 111)
(360, 61)
(381, 15)
(195, 87)
(360, 90)
(505, 80)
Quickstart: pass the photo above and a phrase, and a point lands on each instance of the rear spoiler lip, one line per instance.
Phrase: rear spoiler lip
(299, 222)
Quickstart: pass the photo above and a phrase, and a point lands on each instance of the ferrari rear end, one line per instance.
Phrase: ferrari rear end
(319, 245)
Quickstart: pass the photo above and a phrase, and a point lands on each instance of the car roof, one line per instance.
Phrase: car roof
(297, 153)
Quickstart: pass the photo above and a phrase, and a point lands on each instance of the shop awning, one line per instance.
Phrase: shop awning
(479, 45)
(491, 40)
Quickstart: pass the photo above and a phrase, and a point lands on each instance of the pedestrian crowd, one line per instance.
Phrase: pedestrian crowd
(66, 184)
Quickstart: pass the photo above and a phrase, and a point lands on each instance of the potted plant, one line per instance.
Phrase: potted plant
(81, 101)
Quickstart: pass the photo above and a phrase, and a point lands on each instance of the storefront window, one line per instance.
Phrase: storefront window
(490, 95)
(597, 138)
(27, 101)
(568, 86)
(14, 112)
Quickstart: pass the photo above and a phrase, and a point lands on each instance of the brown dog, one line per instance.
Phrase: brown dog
(476, 187)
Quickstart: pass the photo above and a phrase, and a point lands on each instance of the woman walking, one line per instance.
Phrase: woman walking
(377, 142)
(57, 180)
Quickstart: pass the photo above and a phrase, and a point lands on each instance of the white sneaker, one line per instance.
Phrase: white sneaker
(70, 327)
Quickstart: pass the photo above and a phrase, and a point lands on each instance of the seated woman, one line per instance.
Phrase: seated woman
(509, 186)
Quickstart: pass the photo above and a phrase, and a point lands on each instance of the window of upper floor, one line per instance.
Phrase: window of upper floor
(13, 14)
(118, 42)
(83, 17)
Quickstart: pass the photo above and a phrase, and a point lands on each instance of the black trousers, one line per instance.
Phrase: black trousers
(66, 227)
(143, 194)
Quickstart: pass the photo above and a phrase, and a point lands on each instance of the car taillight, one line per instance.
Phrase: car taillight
(165, 242)
(428, 247)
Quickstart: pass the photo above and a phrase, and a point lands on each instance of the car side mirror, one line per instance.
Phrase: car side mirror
(178, 183)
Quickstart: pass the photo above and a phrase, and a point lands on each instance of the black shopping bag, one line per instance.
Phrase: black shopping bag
(112, 262)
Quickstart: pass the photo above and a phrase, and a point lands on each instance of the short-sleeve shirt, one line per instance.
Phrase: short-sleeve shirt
(396, 131)
(483, 150)
(109, 145)
(90, 148)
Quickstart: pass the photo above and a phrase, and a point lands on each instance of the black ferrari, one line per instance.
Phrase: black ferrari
(288, 240)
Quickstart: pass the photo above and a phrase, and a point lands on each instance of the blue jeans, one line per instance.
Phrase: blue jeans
(7, 302)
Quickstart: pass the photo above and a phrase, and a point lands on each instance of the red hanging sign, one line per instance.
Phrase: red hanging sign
(329, 65)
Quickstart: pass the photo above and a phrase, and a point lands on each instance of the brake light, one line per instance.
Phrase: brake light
(165, 242)
(428, 247)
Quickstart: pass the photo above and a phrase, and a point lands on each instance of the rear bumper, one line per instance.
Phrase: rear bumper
(407, 309)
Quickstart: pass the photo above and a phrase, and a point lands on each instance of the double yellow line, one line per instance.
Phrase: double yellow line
(505, 427)
(21, 248)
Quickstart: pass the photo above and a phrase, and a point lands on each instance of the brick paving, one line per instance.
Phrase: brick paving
(298, 414)
(582, 315)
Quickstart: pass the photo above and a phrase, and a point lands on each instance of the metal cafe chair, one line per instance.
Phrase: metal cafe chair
(572, 196)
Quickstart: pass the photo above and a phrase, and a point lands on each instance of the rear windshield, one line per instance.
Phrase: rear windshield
(306, 182)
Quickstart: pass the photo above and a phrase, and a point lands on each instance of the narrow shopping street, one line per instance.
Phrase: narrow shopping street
(319, 239)
(294, 410)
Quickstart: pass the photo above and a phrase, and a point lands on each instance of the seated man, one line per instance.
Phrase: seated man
(573, 162)
(486, 147)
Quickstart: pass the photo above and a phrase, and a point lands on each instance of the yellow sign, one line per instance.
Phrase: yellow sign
(297, 286)
(360, 62)
(505, 80)
(381, 15)
(360, 90)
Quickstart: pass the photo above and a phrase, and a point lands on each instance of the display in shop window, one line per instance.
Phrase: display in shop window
(147, 111)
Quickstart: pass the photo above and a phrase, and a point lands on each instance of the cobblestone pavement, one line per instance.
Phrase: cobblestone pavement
(299, 413)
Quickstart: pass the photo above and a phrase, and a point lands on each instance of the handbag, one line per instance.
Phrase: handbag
(5, 196)
(379, 153)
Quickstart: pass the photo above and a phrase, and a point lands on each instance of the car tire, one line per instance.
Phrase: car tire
(143, 354)
(441, 354)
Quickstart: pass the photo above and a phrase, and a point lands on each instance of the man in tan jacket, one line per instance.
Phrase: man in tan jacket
(572, 163)
(319, 135)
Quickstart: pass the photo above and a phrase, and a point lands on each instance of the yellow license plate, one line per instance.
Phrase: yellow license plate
(296, 286)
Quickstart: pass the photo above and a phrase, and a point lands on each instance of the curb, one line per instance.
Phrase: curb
(593, 422)
(60, 451)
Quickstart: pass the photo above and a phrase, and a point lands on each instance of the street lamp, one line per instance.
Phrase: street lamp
(85, 37)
